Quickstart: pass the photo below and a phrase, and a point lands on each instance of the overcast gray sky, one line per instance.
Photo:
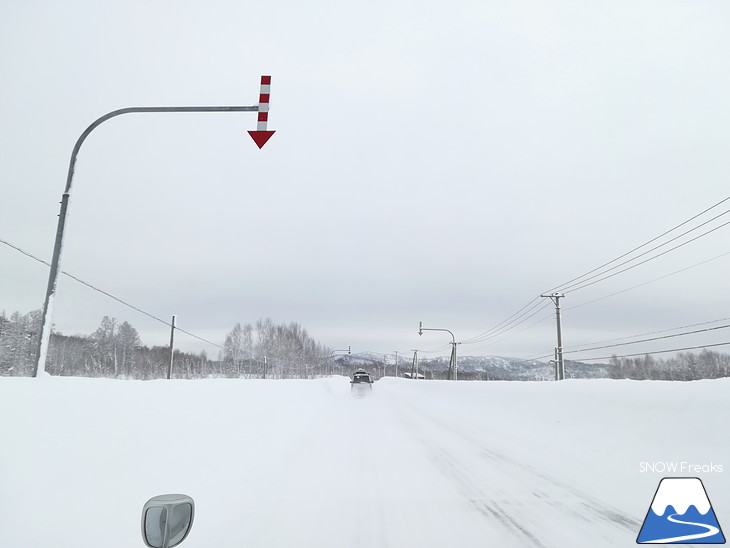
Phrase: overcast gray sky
(435, 162)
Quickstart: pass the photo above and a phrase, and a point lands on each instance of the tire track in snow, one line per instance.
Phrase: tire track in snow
(596, 508)
(493, 509)
(564, 500)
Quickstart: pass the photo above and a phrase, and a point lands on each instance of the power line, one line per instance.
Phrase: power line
(574, 284)
(509, 328)
(584, 280)
(439, 349)
(106, 293)
(579, 348)
(507, 334)
(468, 341)
(566, 288)
(644, 261)
(657, 352)
(540, 305)
(638, 247)
(649, 333)
(648, 282)
(649, 340)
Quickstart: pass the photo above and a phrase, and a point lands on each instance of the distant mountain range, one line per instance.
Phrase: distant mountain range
(471, 367)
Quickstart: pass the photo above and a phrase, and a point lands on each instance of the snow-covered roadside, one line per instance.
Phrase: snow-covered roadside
(304, 463)
(593, 435)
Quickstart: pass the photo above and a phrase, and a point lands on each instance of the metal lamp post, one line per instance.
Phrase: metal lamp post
(260, 136)
(332, 363)
(452, 364)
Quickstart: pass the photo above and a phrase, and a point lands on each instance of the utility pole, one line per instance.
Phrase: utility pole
(559, 362)
(396, 364)
(414, 365)
(453, 368)
(172, 338)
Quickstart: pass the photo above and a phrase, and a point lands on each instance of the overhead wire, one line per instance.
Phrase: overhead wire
(582, 281)
(649, 333)
(510, 333)
(586, 280)
(556, 288)
(658, 352)
(439, 349)
(575, 284)
(647, 282)
(579, 348)
(647, 340)
(642, 262)
(517, 320)
(467, 341)
(106, 293)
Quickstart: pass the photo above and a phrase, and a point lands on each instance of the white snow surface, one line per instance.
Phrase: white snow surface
(681, 493)
(308, 463)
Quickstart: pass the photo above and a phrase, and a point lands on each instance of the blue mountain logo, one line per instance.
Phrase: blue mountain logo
(680, 513)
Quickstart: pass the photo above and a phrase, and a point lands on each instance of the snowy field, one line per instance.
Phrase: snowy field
(294, 463)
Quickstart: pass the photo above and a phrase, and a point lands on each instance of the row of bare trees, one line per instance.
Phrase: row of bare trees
(115, 350)
(684, 366)
(273, 350)
(19, 342)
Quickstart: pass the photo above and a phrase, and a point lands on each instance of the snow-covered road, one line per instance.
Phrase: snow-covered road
(323, 464)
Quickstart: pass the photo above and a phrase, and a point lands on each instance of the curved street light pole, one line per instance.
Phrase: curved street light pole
(45, 334)
(453, 342)
(332, 363)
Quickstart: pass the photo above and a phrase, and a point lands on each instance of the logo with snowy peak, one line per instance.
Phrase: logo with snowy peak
(680, 513)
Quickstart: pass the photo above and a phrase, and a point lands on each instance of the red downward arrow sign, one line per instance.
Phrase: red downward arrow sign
(260, 137)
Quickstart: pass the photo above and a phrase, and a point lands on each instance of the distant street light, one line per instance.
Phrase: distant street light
(452, 362)
(332, 363)
(260, 136)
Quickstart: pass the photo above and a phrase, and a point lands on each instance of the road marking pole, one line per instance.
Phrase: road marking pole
(262, 135)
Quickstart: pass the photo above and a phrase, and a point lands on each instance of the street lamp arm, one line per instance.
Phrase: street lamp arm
(333, 352)
(434, 329)
(130, 110)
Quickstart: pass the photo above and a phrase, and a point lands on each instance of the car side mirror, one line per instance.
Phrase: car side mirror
(167, 520)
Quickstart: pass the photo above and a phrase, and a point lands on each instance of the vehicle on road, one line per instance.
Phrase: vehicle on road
(361, 376)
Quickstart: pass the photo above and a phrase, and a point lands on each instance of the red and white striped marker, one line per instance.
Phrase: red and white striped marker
(262, 135)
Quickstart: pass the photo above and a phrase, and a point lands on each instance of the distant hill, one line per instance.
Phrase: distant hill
(470, 367)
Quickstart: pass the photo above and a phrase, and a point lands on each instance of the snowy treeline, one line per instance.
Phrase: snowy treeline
(19, 342)
(115, 350)
(684, 366)
(282, 351)
(287, 351)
